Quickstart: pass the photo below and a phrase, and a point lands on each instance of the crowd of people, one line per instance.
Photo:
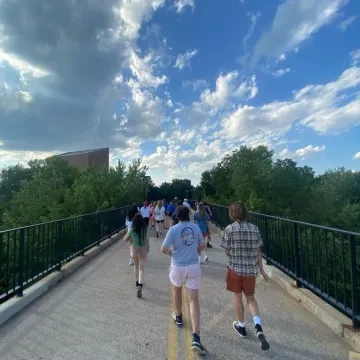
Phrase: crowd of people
(188, 236)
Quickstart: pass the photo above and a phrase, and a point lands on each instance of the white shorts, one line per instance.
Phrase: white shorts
(189, 275)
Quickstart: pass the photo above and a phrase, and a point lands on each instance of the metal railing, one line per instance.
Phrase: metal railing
(29, 253)
(324, 260)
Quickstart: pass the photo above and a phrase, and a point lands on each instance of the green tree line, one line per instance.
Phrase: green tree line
(50, 189)
(283, 188)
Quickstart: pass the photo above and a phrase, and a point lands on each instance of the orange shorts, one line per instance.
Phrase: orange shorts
(240, 284)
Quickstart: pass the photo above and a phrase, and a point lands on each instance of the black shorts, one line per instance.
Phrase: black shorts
(159, 221)
(146, 219)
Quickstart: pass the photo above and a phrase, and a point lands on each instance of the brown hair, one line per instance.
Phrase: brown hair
(159, 204)
(238, 211)
(182, 213)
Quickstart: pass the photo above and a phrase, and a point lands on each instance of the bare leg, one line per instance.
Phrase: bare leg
(253, 306)
(194, 309)
(239, 307)
(177, 300)
(136, 268)
(142, 264)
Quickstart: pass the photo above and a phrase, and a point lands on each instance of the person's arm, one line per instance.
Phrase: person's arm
(201, 241)
(225, 242)
(260, 258)
(127, 237)
(169, 240)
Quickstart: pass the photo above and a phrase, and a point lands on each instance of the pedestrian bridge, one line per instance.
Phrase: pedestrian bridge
(94, 312)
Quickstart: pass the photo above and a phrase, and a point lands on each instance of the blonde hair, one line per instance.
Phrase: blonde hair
(159, 204)
(238, 211)
(201, 210)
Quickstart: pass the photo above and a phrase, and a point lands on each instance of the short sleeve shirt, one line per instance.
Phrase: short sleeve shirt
(202, 223)
(243, 239)
(184, 238)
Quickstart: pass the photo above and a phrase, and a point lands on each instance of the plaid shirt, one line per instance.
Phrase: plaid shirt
(243, 240)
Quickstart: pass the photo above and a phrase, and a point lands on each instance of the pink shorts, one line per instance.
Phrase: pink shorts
(189, 275)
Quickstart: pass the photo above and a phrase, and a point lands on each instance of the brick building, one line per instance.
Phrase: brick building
(87, 158)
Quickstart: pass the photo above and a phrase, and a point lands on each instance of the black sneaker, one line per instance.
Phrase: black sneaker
(139, 291)
(177, 319)
(239, 329)
(260, 335)
(196, 345)
(157, 234)
(209, 246)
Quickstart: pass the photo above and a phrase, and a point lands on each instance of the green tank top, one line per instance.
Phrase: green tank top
(138, 240)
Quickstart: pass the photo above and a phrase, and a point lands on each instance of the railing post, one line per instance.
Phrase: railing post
(354, 284)
(58, 247)
(21, 262)
(267, 242)
(297, 254)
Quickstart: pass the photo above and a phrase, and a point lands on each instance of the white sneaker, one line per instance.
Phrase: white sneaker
(206, 258)
(131, 262)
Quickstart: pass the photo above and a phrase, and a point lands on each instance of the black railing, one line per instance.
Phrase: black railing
(322, 259)
(29, 253)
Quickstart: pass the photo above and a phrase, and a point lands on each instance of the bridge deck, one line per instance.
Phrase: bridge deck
(94, 314)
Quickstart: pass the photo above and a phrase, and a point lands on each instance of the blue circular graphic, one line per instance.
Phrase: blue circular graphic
(187, 236)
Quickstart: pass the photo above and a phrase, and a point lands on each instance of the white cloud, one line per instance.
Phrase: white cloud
(281, 72)
(8, 157)
(323, 108)
(227, 87)
(21, 65)
(355, 57)
(184, 60)
(133, 13)
(195, 84)
(357, 156)
(347, 22)
(301, 153)
(143, 68)
(294, 22)
(182, 4)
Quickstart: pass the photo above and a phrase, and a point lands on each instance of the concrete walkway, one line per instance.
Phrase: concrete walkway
(94, 315)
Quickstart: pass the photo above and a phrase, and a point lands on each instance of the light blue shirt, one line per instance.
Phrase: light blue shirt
(185, 238)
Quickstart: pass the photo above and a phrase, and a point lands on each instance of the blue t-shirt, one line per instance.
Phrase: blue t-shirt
(185, 238)
(202, 223)
(171, 209)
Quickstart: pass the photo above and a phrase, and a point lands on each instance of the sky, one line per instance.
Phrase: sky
(181, 83)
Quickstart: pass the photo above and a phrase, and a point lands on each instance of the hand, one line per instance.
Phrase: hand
(264, 275)
(227, 252)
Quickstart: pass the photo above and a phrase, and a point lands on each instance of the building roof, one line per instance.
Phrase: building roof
(83, 151)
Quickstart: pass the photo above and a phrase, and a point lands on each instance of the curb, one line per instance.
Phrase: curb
(354, 356)
(333, 318)
(14, 305)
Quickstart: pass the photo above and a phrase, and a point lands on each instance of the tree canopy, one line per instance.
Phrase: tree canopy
(283, 188)
(50, 189)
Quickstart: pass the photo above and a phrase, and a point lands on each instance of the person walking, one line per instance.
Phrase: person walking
(139, 248)
(145, 212)
(170, 210)
(152, 214)
(184, 242)
(208, 211)
(128, 223)
(201, 218)
(159, 217)
(174, 219)
(242, 243)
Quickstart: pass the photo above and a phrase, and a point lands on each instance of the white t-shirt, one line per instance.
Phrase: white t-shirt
(145, 212)
(159, 213)
(128, 224)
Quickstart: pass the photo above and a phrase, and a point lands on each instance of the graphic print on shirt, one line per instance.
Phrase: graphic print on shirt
(157, 211)
(187, 236)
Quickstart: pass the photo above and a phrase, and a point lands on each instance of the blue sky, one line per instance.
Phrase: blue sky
(180, 83)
